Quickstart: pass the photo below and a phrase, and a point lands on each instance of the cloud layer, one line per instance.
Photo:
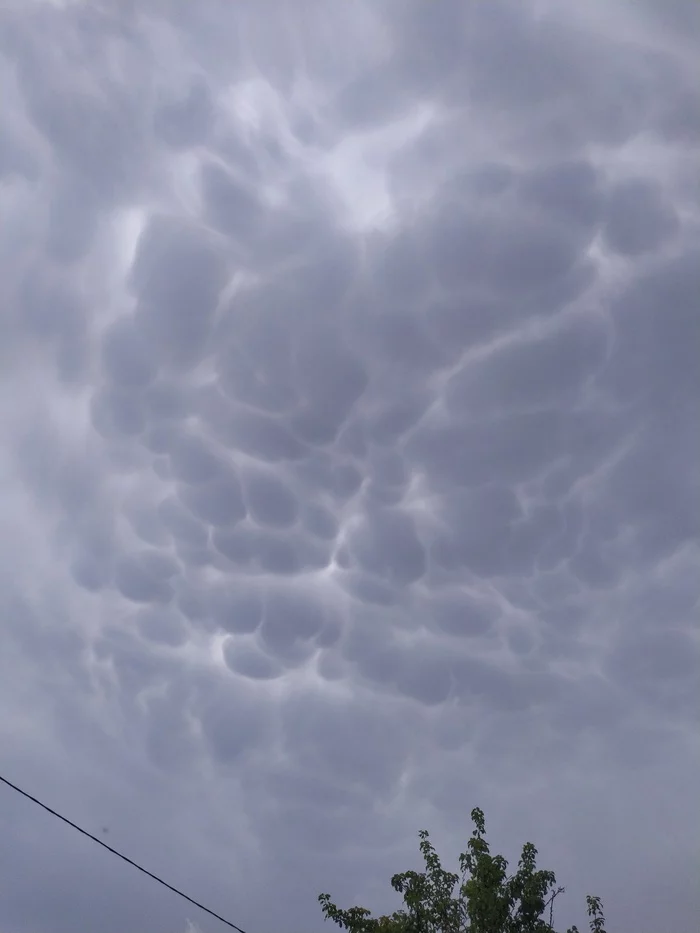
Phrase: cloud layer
(349, 451)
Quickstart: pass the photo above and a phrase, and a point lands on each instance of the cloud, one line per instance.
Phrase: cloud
(348, 451)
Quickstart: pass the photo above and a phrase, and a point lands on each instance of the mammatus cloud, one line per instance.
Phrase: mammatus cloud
(349, 454)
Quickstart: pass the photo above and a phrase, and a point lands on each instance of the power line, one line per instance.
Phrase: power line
(123, 857)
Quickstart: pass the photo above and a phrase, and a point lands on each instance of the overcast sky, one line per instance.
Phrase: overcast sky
(348, 453)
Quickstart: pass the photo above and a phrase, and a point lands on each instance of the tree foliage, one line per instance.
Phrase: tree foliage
(481, 898)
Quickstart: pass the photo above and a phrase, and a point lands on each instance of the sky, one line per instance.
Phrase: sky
(348, 453)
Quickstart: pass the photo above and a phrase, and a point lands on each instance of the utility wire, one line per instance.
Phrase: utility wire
(123, 857)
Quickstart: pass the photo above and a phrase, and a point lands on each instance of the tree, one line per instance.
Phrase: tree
(488, 900)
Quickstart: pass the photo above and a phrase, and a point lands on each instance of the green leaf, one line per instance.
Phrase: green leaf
(481, 899)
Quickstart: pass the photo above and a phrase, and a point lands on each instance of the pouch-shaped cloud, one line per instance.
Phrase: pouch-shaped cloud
(348, 448)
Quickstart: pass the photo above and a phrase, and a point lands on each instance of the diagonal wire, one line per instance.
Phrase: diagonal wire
(119, 855)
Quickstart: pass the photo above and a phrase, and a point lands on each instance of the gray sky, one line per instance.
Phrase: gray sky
(349, 453)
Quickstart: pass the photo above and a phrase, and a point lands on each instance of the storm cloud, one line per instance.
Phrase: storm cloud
(349, 357)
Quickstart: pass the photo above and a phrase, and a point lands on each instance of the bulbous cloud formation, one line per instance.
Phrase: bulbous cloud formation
(349, 450)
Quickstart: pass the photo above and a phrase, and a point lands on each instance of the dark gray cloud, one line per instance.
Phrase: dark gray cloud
(177, 277)
(349, 451)
(638, 220)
